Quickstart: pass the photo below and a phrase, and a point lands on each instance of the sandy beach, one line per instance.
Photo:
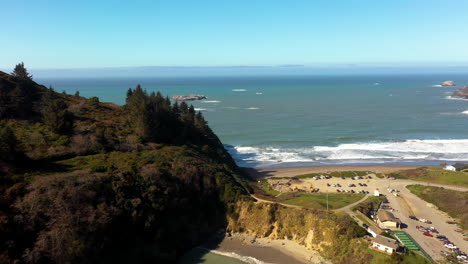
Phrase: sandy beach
(295, 171)
(269, 251)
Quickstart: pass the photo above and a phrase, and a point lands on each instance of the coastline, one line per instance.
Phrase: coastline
(295, 171)
(264, 250)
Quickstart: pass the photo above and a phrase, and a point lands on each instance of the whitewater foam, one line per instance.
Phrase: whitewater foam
(246, 259)
(211, 102)
(465, 112)
(258, 93)
(366, 152)
(201, 109)
(252, 108)
(239, 90)
(455, 98)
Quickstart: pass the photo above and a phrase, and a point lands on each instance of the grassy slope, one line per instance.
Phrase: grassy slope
(319, 200)
(434, 175)
(455, 203)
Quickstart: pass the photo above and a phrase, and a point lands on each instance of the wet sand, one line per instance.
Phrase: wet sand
(295, 171)
(269, 251)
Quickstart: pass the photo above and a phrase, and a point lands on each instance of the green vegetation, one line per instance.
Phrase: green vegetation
(455, 203)
(319, 200)
(336, 236)
(365, 220)
(371, 204)
(268, 190)
(433, 175)
(88, 182)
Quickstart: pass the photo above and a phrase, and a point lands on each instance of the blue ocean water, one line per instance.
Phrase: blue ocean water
(267, 121)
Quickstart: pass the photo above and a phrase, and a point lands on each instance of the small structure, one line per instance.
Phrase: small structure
(457, 167)
(376, 192)
(374, 230)
(386, 219)
(385, 244)
(450, 168)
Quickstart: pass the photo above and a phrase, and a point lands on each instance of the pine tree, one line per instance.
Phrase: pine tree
(20, 73)
(8, 144)
(54, 113)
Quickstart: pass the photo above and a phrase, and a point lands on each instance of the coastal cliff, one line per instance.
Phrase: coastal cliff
(461, 93)
(83, 181)
(335, 235)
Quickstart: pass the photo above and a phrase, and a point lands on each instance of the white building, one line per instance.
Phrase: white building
(377, 192)
(374, 231)
(450, 168)
(385, 244)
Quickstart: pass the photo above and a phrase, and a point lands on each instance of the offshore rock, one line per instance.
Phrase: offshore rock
(190, 97)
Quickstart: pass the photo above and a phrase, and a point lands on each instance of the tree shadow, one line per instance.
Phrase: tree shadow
(197, 254)
(255, 173)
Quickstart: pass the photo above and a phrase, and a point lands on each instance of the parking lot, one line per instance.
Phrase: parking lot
(402, 203)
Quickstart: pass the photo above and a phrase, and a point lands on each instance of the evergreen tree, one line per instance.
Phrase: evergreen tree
(54, 113)
(20, 73)
(24, 95)
(8, 144)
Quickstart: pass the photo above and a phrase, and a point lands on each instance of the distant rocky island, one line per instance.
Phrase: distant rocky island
(461, 93)
(448, 83)
(190, 97)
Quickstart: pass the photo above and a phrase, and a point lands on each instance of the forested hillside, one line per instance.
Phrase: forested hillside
(88, 182)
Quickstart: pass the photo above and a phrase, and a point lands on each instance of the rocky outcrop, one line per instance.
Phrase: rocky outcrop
(190, 97)
(448, 83)
(461, 93)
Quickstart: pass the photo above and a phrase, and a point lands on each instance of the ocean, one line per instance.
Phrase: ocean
(312, 120)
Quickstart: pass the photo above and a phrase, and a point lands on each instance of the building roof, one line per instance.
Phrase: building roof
(385, 241)
(460, 166)
(375, 229)
(383, 215)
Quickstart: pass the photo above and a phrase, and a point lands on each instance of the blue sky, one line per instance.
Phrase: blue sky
(81, 34)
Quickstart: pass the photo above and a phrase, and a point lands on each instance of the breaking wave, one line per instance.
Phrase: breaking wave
(211, 102)
(239, 90)
(455, 98)
(370, 152)
(465, 112)
(246, 259)
(252, 108)
(201, 109)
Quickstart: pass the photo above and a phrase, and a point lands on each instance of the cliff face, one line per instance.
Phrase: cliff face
(461, 93)
(334, 234)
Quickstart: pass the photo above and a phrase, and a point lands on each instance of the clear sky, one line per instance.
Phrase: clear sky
(99, 33)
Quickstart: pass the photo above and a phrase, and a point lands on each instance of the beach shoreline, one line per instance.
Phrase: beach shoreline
(265, 250)
(295, 171)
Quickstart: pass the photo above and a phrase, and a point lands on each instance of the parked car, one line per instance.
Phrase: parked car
(462, 257)
(428, 234)
(451, 246)
(434, 231)
(338, 190)
(344, 178)
(413, 217)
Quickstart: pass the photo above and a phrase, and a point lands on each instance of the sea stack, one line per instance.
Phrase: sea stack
(461, 93)
(190, 97)
(448, 83)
